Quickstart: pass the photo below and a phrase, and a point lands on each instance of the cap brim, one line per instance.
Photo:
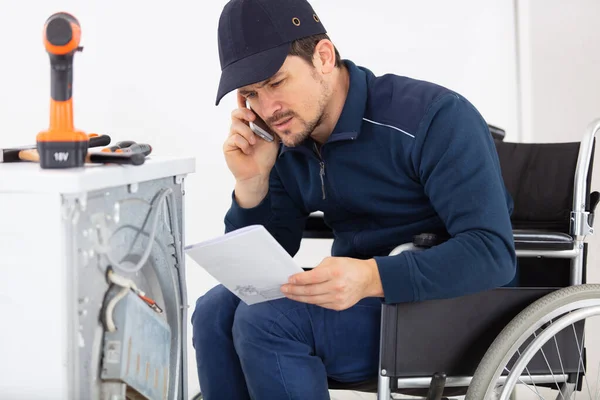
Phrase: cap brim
(252, 69)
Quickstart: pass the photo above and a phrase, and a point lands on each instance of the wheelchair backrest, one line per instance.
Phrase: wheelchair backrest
(540, 178)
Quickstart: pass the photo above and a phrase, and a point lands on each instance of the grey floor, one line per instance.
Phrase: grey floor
(348, 395)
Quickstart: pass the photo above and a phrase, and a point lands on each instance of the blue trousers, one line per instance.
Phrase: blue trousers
(281, 349)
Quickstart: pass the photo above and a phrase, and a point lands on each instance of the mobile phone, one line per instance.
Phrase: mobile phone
(257, 129)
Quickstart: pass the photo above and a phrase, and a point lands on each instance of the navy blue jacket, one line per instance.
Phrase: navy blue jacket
(406, 157)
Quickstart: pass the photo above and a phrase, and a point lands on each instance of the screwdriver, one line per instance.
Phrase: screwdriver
(61, 146)
(119, 145)
(142, 148)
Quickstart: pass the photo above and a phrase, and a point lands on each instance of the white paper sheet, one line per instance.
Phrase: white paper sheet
(248, 261)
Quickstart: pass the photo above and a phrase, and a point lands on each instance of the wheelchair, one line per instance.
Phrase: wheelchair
(531, 333)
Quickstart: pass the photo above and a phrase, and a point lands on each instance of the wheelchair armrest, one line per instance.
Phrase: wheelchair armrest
(497, 133)
(427, 240)
(525, 239)
(529, 239)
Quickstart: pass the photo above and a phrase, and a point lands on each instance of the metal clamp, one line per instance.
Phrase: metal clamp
(179, 179)
(580, 224)
(72, 205)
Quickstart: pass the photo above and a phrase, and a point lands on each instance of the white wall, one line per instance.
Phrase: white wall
(560, 62)
(149, 72)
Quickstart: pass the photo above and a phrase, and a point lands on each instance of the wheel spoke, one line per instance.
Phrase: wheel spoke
(580, 348)
(558, 353)
(536, 392)
(549, 367)
(566, 389)
(530, 377)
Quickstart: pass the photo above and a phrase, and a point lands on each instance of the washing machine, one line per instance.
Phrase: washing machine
(93, 301)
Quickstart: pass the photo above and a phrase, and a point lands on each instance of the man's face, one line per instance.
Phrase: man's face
(292, 102)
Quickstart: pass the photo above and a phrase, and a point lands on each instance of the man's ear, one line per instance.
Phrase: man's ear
(325, 56)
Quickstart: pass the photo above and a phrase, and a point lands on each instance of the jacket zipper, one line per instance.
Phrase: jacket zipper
(322, 171)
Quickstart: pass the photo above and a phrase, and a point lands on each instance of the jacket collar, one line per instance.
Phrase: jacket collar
(351, 119)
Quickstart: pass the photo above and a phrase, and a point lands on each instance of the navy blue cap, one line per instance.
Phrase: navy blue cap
(255, 38)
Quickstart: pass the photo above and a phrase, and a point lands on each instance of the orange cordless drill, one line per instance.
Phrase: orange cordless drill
(62, 146)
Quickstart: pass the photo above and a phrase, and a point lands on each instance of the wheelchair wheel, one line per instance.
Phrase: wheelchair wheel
(542, 348)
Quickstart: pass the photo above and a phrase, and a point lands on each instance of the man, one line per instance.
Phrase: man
(384, 158)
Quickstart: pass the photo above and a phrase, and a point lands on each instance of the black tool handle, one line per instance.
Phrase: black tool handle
(99, 141)
(117, 158)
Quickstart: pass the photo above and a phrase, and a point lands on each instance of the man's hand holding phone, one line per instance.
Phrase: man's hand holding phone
(249, 157)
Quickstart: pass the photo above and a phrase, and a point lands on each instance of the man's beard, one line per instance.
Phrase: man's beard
(291, 140)
(288, 137)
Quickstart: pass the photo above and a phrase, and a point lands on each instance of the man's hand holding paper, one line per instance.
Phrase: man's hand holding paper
(336, 283)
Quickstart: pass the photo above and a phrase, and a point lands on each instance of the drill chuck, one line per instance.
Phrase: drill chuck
(59, 32)
(62, 34)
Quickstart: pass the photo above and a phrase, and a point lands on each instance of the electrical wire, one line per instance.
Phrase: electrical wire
(126, 285)
(110, 324)
(122, 281)
(155, 207)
